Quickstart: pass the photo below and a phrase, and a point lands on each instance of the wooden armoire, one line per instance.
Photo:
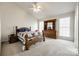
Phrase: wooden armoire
(50, 28)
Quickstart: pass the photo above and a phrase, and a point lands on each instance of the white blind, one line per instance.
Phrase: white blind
(64, 27)
(41, 26)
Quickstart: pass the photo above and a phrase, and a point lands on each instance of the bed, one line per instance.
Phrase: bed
(28, 37)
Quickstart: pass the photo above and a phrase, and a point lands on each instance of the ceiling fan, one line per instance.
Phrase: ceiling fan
(35, 7)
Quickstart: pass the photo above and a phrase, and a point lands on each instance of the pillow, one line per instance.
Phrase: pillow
(23, 29)
(36, 32)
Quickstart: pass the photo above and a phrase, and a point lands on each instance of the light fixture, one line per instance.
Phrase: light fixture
(36, 7)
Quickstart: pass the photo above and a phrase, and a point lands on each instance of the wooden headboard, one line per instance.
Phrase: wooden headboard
(16, 28)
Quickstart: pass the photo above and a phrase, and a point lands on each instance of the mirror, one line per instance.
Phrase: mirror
(50, 25)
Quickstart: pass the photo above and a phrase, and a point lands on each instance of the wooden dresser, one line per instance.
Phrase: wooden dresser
(50, 33)
(50, 29)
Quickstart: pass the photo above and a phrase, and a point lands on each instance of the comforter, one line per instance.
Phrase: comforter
(21, 35)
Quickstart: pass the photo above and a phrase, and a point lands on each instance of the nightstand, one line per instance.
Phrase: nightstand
(13, 38)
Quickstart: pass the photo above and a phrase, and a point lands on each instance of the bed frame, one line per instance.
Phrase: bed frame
(29, 42)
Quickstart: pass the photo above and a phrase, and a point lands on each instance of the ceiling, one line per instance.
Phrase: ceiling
(48, 8)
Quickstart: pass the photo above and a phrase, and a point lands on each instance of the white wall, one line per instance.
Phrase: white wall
(76, 30)
(71, 14)
(11, 16)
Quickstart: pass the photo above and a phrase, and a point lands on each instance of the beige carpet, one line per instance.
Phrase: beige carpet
(11, 49)
(50, 47)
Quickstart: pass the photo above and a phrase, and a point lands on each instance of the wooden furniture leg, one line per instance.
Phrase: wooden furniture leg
(43, 36)
(26, 44)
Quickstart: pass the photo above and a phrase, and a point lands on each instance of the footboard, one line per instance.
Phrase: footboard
(30, 42)
(26, 43)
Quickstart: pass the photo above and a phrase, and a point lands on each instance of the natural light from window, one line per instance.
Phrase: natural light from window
(41, 26)
(64, 27)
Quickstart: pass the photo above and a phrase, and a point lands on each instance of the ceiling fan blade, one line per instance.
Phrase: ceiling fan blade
(33, 5)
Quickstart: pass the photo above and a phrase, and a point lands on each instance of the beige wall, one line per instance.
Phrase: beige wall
(11, 16)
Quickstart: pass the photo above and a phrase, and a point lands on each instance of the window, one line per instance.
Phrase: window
(41, 26)
(64, 27)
